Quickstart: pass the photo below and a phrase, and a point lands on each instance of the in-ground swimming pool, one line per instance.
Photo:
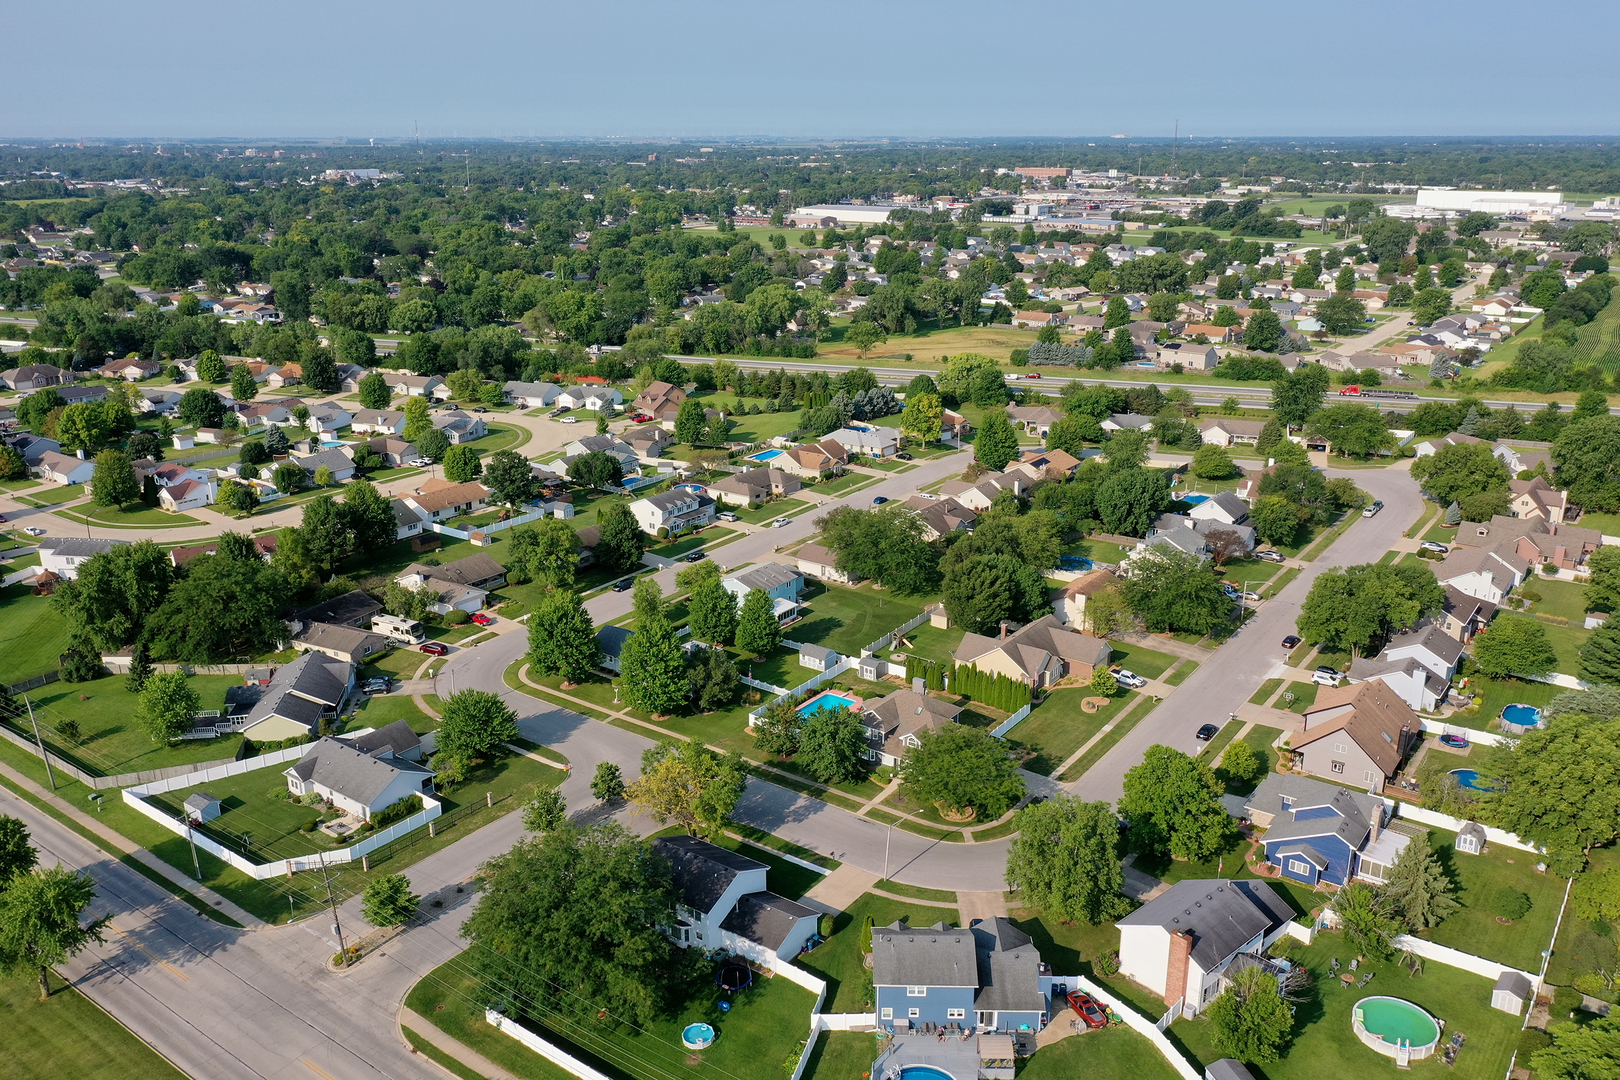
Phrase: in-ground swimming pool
(924, 1072)
(1389, 1025)
(1074, 562)
(829, 699)
(1194, 500)
(330, 443)
(1469, 778)
(697, 1036)
(765, 455)
(1523, 715)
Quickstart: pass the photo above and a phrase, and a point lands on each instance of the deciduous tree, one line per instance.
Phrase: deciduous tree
(40, 927)
(388, 901)
(996, 444)
(960, 767)
(689, 784)
(1514, 645)
(1065, 860)
(474, 724)
(114, 483)
(1250, 1021)
(1172, 803)
(168, 703)
(562, 640)
(832, 746)
(758, 632)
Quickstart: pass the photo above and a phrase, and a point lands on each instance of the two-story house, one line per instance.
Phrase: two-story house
(673, 511)
(726, 905)
(752, 486)
(590, 397)
(378, 422)
(1187, 942)
(63, 555)
(1418, 664)
(895, 722)
(1316, 832)
(294, 701)
(1486, 573)
(987, 976)
(461, 585)
(782, 583)
(1357, 734)
(661, 400)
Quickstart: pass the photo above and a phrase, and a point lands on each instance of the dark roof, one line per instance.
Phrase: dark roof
(397, 737)
(1009, 968)
(1222, 916)
(477, 567)
(701, 870)
(353, 608)
(1354, 811)
(611, 639)
(81, 547)
(766, 918)
(939, 955)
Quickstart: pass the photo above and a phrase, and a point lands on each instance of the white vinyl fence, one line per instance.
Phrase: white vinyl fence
(1011, 722)
(1437, 820)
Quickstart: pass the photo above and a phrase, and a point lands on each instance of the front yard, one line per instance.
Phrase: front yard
(1059, 726)
(849, 619)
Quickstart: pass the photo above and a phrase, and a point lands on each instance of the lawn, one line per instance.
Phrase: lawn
(1211, 752)
(501, 437)
(1099, 551)
(1325, 1045)
(53, 496)
(933, 643)
(1059, 727)
(1492, 695)
(1145, 662)
(1608, 524)
(380, 710)
(1584, 944)
(838, 959)
(1113, 1053)
(259, 820)
(130, 516)
(1475, 928)
(1260, 739)
(843, 485)
(1250, 573)
(68, 1035)
(32, 635)
(113, 741)
(1121, 728)
(849, 619)
(1304, 696)
(766, 1024)
(769, 512)
(671, 549)
(1267, 689)
(842, 1055)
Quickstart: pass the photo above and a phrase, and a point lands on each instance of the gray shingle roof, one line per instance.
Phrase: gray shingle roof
(766, 576)
(701, 870)
(1355, 811)
(766, 918)
(397, 737)
(1009, 968)
(353, 773)
(353, 608)
(1221, 915)
(924, 956)
(80, 547)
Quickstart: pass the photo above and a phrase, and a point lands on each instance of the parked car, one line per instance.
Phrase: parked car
(879, 500)
(1433, 545)
(1251, 596)
(1088, 1011)
(419, 463)
(726, 515)
(696, 556)
(1268, 555)
(570, 419)
(377, 686)
(781, 523)
(1129, 679)
(1291, 642)
(641, 418)
(623, 583)
(433, 648)
(483, 620)
(1325, 676)
(34, 530)
(1372, 508)
(903, 456)
(1206, 733)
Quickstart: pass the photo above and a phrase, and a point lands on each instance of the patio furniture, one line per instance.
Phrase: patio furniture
(1347, 979)
(1335, 965)
(1354, 963)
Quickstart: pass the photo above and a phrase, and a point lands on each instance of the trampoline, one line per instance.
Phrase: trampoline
(734, 976)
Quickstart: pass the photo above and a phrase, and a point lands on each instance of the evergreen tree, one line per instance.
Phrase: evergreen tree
(1600, 656)
(1418, 891)
(562, 640)
(758, 632)
(608, 783)
(140, 668)
(1453, 514)
(275, 441)
(461, 463)
(1470, 423)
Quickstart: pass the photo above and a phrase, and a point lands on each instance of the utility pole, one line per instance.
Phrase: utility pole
(39, 742)
(337, 924)
(195, 865)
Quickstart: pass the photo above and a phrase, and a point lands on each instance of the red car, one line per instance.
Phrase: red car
(641, 418)
(433, 648)
(1088, 1010)
(1033, 375)
(481, 619)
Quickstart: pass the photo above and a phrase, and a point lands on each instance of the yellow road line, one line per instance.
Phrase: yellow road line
(176, 972)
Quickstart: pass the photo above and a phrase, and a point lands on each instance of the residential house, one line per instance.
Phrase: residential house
(1069, 602)
(394, 452)
(353, 608)
(158, 401)
(253, 414)
(987, 977)
(63, 555)
(895, 723)
(349, 376)
(407, 522)
(752, 487)
(1222, 508)
(31, 377)
(1189, 534)
(610, 641)
(356, 781)
(1127, 422)
(1039, 654)
(60, 468)
(1535, 498)
(1321, 833)
(673, 512)
(953, 425)
(1533, 540)
(869, 441)
(607, 443)
(30, 447)
(941, 516)
(334, 458)
(1418, 664)
(418, 386)
(782, 583)
(1034, 419)
(1463, 616)
(167, 473)
(289, 374)
(590, 397)
(1358, 734)
(187, 495)
(1034, 320)
(1486, 573)
(1225, 335)
(726, 906)
(980, 494)
(1053, 464)
(1190, 355)
(328, 419)
(1429, 447)
(820, 563)
(298, 696)
(1220, 431)
(377, 422)
(80, 395)
(460, 427)
(661, 400)
(1248, 488)
(132, 370)
(647, 441)
(532, 395)
(180, 556)
(441, 500)
(462, 585)
(1187, 942)
(1524, 456)
(341, 642)
(809, 462)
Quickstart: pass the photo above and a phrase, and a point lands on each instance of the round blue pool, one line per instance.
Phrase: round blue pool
(1523, 715)
(1469, 778)
(924, 1072)
(697, 1036)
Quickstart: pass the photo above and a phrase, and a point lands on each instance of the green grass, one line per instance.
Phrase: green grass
(1267, 689)
(113, 740)
(1106, 743)
(1179, 676)
(1475, 929)
(1304, 696)
(1260, 739)
(32, 635)
(847, 483)
(932, 643)
(1584, 944)
(1491, 695)
(501, 437)
(1281, 582)
(253, 809)
(915, 892)
(1212, 749)
(1325, 1045)
(53, 495)
(130, 515)
(1608, 524)
(1113, 1053)
(1059, 726)
(838, 959)
(849, 619)
(842, 1055)
(1249, 573)
(69, 1035)
(1145, 662)
(769, 512)
(674, 548)
(767, 1022)
(1099, 551)
(438, 1057)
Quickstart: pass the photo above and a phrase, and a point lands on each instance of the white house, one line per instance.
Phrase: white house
(418, 386)
(675, 511)
(820, 562)
(1223, 508)
(461, 585)
(725, 904)
(532, 395)
(63, 555)
(327, 419)
(60, 468)
(1184, 943)
(356, 781)
(1127, 422)
(187, 495)
(440, 500)
(589, 396)
(378, 422)
(1483, 573)
(1418, 664)
(783, 584)
(872, 441)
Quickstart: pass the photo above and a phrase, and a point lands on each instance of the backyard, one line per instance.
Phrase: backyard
(849, 619)
(112, 740)
(32, 636)
(1476, 928)
(1113, 1053)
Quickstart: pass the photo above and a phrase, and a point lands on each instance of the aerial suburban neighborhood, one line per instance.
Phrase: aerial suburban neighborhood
(860, 609)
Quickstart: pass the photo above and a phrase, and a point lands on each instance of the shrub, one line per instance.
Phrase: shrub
(1530, 1040)
(1549, 569)
(1510, 903)
(1530, 596)
(1566, 999)
(457, 617)
(396, 811)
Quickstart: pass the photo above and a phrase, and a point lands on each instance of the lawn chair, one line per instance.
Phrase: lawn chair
(1335, 965)
(1354, 963)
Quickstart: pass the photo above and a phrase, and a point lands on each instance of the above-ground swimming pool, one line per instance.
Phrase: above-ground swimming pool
(1469, 778)
(924, 1072)
(1074, 562)
(1523, 715)
(1390, 1025)
(765, 455)
(697, 1036)
(830, 699)
(330, 443)
(1194, 500)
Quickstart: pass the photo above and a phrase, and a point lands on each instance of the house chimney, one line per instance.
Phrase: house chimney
(1003, 621)
(1175, 977)
(80, 453)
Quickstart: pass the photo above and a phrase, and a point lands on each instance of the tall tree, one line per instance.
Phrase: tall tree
(509, 477)
(1065, 860)
(689, 784)
(1554, 787)
(1250, 1020)
(1580, 1051)
(243, 386)
(369, 516)
(1600, 656)
(833, 745)
(328, 538)
(996, 444)
(711, 610)
(690, 422)
(474, 724)
(960, 768)
(40, 925)
(923, 417)
(1295, 397)
(374, 390)
(17, 855)
(982, 590)
(1173, 805)
(652, 666)
(1419, 891)
(1362, 917)
(758, 632)
(562, 640)
(546, 552)
(621, 540)
(388, 900)
(597, 469)
(1175, 591)
(114, 483)
(1360, 606)
(1514, 645)
(461, 463)
(168, 703)
(223, 609)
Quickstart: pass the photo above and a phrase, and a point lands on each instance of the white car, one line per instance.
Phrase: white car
(34, 530)
(419, 463)
(570, 419)
(1324, 676)
(781, 523)
(1129, 679)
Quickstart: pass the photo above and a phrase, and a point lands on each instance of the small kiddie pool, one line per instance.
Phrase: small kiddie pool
(1394, 1027)
(765, 455)
(697, 1036)
(1523, 715)
(830, 699)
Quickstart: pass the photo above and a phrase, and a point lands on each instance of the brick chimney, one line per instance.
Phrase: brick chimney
(1003, 630)
(1175, 979)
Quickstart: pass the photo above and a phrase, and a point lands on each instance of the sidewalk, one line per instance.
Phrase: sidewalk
(836, 891)
(457, 1049)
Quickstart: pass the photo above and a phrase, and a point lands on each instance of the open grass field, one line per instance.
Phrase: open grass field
(53, 495)
(1146, 662)
(848, 619)
(131, 516)
(69, 1036)
(931, 348)
(32, 636)
(113, 741)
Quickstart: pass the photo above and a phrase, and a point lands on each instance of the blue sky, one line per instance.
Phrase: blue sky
(707, 68)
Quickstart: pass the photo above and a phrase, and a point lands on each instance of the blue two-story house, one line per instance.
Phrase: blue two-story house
(986, 977)
(1320, 832)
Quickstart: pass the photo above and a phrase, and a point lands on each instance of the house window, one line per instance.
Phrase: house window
(1340, 748)
(916, 991)
(913, 1013)
(886, 1014)
(1338, 766)
(1367, 777)
(1297, 867)
(956, 1014)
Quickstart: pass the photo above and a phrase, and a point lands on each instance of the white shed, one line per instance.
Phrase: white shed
(1471, 839)
(1512, 992)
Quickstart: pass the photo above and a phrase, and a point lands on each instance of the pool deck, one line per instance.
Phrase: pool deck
(953, 1056)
